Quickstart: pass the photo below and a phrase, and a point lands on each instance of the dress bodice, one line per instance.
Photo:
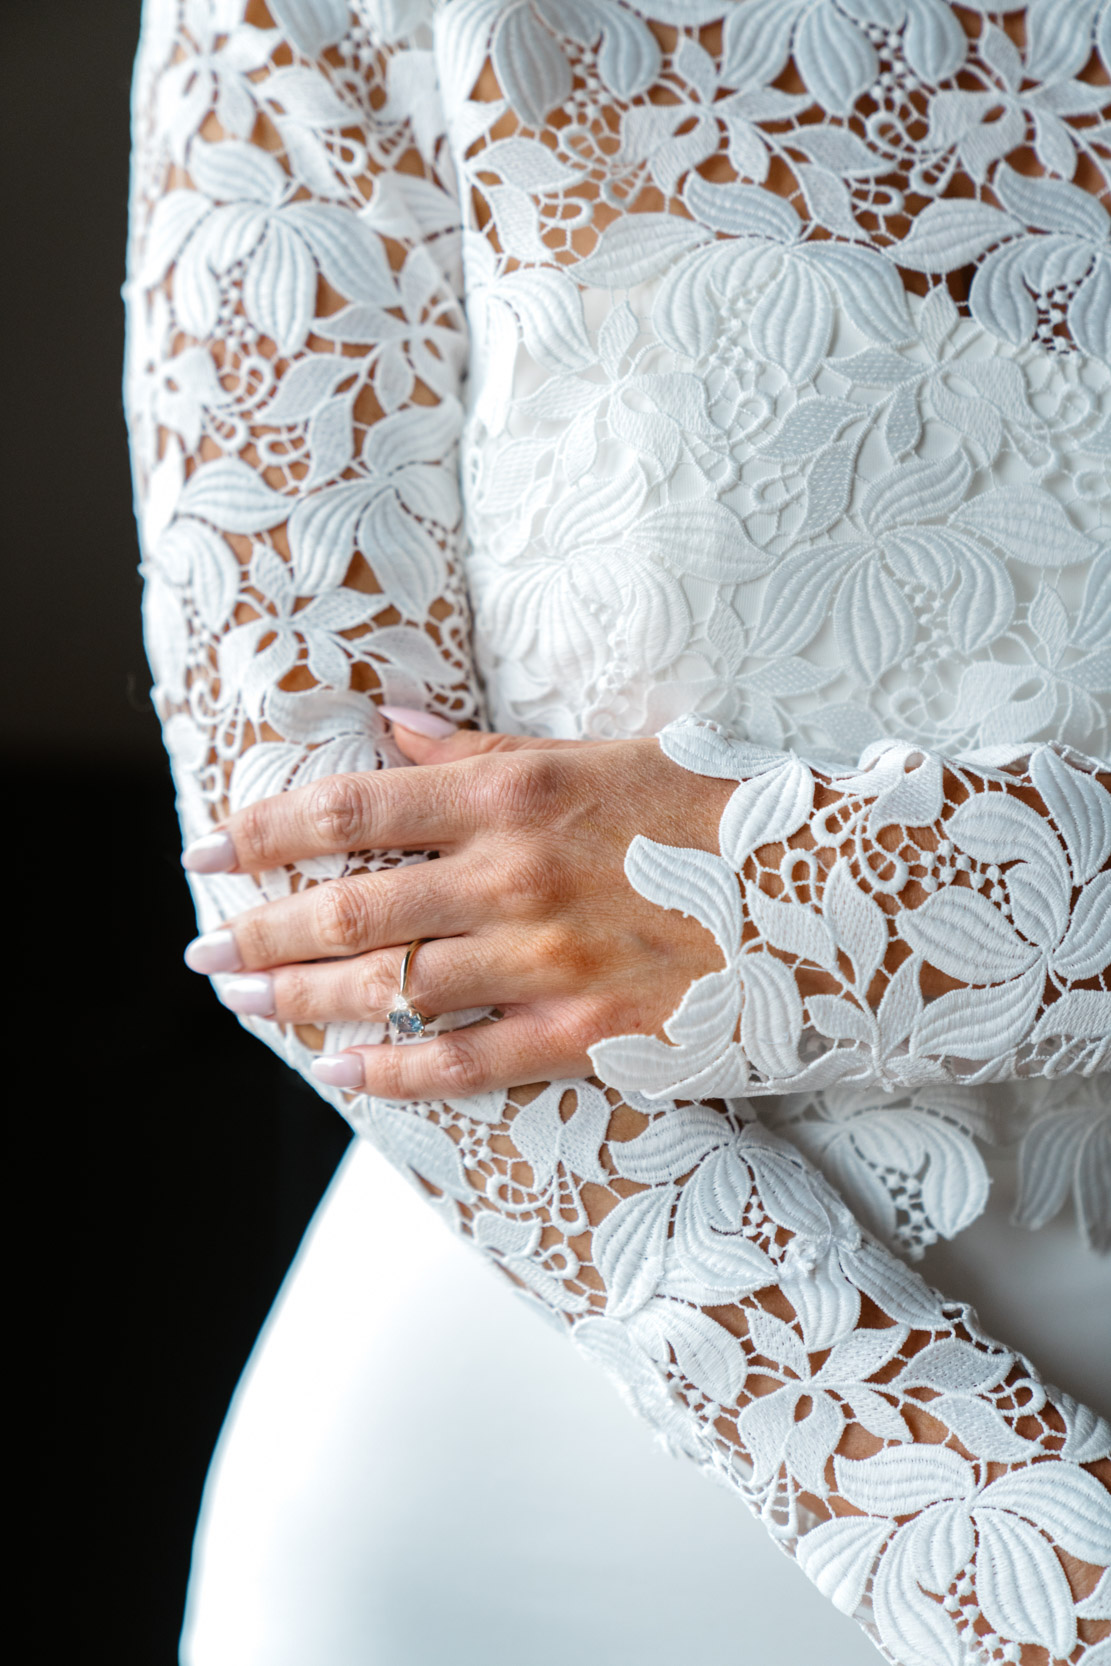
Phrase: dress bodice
(905, 539)
(733, 447)
(767, 390)
(721, 456)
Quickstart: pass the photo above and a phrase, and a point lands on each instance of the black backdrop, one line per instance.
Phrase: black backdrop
(165, 1165)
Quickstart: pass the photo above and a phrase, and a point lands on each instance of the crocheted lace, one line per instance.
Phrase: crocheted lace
(743, 439)
(862, 883)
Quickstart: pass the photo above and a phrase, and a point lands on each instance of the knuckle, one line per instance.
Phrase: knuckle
(387, 1067)
(460, 1066)
(374, 985)
(528, 881)
(337, 810)
(295, 993)
(254, 836)
(340, 915)
(256, 939)
(527, 789)
(589, 956)
(552, 949)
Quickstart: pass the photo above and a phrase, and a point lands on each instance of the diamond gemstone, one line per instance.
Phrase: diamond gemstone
(404, 1021)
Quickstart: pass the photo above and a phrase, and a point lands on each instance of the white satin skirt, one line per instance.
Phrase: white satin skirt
(417, 1471)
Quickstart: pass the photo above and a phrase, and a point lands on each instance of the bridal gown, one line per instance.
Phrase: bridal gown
(738, 374)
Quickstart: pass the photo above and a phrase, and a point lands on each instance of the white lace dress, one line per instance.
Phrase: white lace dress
(747, 371)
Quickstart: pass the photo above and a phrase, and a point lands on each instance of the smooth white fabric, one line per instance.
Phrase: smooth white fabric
(415, 1471)
(393, 1439)
(724, 435)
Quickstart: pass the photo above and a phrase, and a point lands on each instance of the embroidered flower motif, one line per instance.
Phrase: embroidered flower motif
(906, 1163)
(1065, 1152)
(1063, 274)
(670, 398)
(981, 1549)
(985, 124)
(997, 879)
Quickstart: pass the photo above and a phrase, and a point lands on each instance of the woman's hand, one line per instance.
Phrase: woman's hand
(527, 910)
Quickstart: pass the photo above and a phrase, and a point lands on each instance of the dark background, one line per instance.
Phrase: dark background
(166, 1164)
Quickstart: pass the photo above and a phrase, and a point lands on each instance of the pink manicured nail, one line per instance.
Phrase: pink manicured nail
(421, 723)
(214, 853)
(253, 996)
(214, 952)
(340, 1070)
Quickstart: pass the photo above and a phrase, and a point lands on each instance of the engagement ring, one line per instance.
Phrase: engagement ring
(404, 1020)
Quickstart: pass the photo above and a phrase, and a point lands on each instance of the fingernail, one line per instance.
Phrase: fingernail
(214, 853)
(254, 996)
(340, 1070)
(422, 723)
(214, 952)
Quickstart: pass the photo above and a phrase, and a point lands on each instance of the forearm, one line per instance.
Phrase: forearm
(295, 346)
(703, 1263)
(744, 1314)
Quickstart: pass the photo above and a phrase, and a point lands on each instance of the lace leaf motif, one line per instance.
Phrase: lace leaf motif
(279, 434)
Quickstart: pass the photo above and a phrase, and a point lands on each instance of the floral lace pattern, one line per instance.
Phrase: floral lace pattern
(294, 322)
(1012, 905)
(763, 450)
(680, 432)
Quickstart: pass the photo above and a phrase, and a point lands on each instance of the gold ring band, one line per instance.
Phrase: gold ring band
(404, 1020)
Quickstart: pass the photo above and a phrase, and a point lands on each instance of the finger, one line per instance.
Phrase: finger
(387, 809)
(451, 974)
(532, 1044)
(429, 739)
(344, 917)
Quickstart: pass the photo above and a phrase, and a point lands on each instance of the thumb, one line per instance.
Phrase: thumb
(427, 738)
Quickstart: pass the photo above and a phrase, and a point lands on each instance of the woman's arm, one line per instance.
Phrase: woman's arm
(742, 1310)
(281, 195)
(916, 920)
(295, 346)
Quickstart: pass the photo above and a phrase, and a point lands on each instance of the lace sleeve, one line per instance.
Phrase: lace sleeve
(294, 357)
(295, 347)
(915, 920)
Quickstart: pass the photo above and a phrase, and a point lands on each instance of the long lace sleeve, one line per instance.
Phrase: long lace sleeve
(912, 921)
(295, 347)
(294, 359)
